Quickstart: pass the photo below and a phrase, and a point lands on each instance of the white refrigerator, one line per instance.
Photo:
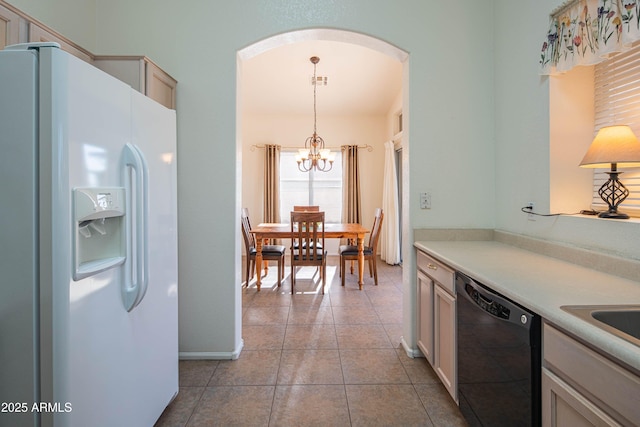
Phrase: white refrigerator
(88, 252)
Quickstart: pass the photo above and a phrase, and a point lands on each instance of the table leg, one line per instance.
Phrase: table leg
(360, 261)
(258, 261)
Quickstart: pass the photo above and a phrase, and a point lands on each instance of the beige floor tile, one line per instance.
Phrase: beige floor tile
(355, 315)
(320, 337)
(310, 367)
(271, 298)
(196, 372)
(362, 336)
(253, 367)
(247, 297)
(310, 314)
(349, 297)
(263, 337)
(389, 313)
(268, 284)
(374, 366)
(316, 300)
(386, 405)
(442, 410)
(310, 405)
(233, 406)
(180, 410)
(417, 368)
(299, 352)
(264, 315)
(394, 332)
(386, 294)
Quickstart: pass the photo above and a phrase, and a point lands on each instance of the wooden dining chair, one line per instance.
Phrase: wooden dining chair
(269, 252)
(350, 252)
(306, 229)
(298, 208)
(311, 208)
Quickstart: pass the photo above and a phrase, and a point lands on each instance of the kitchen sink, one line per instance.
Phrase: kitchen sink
(621, 320)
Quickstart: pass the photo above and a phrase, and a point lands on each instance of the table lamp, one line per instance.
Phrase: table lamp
(616, 146)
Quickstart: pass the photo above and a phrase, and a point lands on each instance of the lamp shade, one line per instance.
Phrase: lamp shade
(613, 144)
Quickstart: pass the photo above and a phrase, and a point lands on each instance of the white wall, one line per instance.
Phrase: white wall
(478, 122)
(537, 136)
(449, 110)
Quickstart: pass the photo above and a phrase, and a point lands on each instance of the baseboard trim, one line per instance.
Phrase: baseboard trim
(411, 352)
(211, 355)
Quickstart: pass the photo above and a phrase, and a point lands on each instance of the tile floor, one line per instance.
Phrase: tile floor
(314, 360)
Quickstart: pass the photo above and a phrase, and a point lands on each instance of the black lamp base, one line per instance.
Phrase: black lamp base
(613, 192)
(613, 215)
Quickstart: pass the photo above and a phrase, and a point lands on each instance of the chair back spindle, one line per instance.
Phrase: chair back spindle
(307, 229)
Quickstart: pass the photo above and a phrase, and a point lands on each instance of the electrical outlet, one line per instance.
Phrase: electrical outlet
(531, 207)
(425, 200)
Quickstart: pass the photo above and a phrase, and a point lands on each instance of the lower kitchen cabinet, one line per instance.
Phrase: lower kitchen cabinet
(445, 360)
(437, 319)
(562, 405)
(425, 316)
(580, 387)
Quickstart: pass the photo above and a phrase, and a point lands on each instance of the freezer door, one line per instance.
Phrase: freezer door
(19, 237)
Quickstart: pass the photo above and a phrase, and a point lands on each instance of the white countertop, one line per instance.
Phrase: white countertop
(543, 284)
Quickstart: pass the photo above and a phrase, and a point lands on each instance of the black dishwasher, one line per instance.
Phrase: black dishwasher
(498, 358)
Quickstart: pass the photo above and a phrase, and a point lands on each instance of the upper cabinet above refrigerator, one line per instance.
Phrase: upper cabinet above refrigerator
(9, 27)
(143, 75)
(139, 72)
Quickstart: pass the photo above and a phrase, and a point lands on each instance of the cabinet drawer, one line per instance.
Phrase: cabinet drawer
(437, 271)
(593, 374)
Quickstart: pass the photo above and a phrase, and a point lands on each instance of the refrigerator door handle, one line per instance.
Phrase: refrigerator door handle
(136, 266)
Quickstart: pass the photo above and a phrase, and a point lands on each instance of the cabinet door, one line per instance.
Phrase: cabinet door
(425, 316)
(9, 27)
(143, 75)
(445, 339)
(40, 34)
(562, 405)
(160, 86)
(129, 69)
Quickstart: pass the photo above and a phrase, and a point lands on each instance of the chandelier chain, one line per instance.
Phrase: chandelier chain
(314, 155)
(315, 86)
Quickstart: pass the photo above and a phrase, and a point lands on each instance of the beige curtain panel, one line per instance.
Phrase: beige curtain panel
(351, 209)
(271, 211)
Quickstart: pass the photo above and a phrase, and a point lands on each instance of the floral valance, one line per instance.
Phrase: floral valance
(585, 32)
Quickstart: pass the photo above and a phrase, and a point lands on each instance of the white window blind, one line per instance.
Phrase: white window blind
(617, 101)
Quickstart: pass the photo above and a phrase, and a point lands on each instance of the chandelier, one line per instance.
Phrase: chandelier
(314, 155)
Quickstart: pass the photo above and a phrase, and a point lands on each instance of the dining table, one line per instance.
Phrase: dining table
(353, 231)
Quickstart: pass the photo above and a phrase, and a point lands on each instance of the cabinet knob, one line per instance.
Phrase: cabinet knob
(432, 266)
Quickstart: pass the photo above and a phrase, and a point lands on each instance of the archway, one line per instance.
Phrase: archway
(329, 35)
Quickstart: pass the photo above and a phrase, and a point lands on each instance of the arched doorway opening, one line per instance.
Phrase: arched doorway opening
(296, 37)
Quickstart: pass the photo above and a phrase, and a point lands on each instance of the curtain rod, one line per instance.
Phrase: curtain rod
(366, 146)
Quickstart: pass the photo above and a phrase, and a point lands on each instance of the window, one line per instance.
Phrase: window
(617, 101)
(310, 188)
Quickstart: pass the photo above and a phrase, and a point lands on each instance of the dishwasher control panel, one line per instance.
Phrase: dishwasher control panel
(488, 305)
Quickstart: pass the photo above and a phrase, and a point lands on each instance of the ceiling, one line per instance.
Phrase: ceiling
(361, 81)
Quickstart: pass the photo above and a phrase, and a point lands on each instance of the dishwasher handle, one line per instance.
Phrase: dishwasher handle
(492, 302)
